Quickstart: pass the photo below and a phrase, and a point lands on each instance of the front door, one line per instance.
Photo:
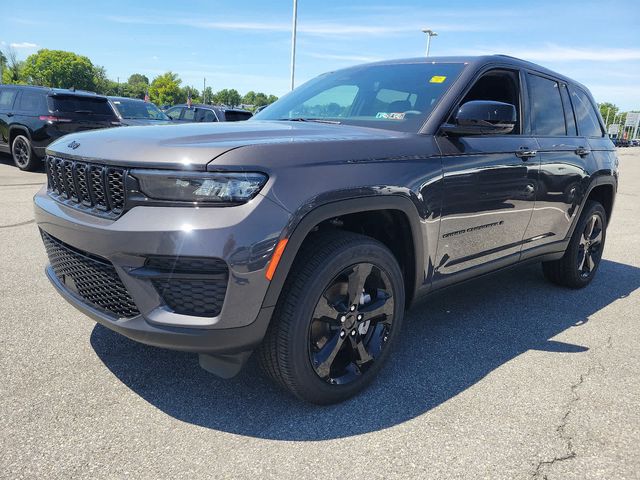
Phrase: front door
(488, 189)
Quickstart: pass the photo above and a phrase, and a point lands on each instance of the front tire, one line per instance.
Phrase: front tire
(578, 266)
(23, 155)
(341, 309)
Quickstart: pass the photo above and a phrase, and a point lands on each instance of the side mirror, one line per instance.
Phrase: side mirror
(482, 117)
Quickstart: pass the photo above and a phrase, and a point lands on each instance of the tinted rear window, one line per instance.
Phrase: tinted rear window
(78, 104)
(233, 116)
(32, 102)
(546, 106)
(6, 98)
(588, 122)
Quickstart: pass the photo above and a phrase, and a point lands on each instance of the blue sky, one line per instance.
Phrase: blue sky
(245, 44)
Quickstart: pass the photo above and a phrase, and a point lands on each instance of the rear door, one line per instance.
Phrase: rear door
(7, 100)
(76, 113)
(565, 159)
(489, 189)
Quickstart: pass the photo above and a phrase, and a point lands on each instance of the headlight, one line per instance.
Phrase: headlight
(221, 187)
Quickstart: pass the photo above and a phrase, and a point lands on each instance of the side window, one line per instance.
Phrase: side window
(206, 115)
(569, 117)
(32, 102)
(547, 113)
(189, 114)
(7, 96)
(498, 86)
(174, 113)
(586, 116)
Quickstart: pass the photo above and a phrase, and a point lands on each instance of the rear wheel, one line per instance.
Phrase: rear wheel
(580, 262)
(341, 308)
(23, 155)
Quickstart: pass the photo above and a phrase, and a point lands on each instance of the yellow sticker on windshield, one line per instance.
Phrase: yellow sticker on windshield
(437, 79)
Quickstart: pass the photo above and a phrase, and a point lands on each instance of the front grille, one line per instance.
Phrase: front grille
(92, 278)
(96, 189)
(189, 285)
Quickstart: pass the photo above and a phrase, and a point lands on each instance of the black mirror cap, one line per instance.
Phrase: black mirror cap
(481, 117)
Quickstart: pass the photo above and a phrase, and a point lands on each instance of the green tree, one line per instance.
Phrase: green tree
(165, 89)
(136, 86)
(229, 97)
(207, 95)
(608, 110)
(249, 98)
(104, 85)
(195, 95)
(13, 69)
(271, 99)
(57, 68)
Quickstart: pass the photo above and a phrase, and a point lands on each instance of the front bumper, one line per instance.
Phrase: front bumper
(243, 237)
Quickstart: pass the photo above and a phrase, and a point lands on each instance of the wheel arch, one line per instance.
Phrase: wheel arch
(15, 130)
(302, 226)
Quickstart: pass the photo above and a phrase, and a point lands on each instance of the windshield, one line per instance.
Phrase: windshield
(137, 109)
(397, 96)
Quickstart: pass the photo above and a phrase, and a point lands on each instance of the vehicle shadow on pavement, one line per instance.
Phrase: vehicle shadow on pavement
(450, 341)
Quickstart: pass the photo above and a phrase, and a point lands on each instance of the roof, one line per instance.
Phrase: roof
(55, 91)
(478, 61)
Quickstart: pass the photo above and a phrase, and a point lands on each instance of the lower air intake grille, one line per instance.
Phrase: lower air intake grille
(92, 278)
(190, 285)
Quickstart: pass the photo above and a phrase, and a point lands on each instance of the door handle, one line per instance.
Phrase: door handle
(9, 114)
(526, 154)
(583, 152)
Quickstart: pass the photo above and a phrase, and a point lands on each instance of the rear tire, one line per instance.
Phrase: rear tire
(340, 310)
(23, 155)
(581, 260)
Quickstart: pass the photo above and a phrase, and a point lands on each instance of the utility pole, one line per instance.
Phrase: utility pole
(204, 87)
(293, 42)
(430, 33)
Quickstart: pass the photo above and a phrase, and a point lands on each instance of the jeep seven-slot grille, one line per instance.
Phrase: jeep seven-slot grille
(97, 189)
(92, 278)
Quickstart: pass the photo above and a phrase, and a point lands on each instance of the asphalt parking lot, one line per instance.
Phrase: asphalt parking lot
(509, 377)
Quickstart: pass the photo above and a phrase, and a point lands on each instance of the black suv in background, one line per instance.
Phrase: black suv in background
(33, 117)
(206, 113)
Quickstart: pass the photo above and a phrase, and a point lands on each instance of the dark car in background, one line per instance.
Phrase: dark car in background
(134, 112)
(33, 117)
(198, 113)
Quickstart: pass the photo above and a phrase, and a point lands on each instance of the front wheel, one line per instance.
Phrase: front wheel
(580, 262)
(341, 308)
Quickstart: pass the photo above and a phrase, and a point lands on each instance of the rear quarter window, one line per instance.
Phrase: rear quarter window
(547, 114)
(233, 116)
(78, 104)
(32, 102)
(6, 98)
(586, 116)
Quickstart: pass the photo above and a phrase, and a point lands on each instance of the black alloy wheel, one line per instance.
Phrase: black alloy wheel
(351, 323)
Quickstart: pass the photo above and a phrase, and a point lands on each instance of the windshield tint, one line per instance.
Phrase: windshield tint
(80, 104)
(396, 97)
(137, 109)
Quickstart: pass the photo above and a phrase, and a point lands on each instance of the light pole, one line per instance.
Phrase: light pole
(293, 42)
(430, 33)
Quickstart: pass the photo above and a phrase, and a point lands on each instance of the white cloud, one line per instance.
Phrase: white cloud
(23, 45)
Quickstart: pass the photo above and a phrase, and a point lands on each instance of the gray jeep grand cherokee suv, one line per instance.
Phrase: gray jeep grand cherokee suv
(304, 233)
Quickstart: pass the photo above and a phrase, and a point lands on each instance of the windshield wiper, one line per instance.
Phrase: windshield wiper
(82, 111)
(304, 119)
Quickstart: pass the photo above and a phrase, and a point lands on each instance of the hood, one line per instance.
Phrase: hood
(194, 145)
